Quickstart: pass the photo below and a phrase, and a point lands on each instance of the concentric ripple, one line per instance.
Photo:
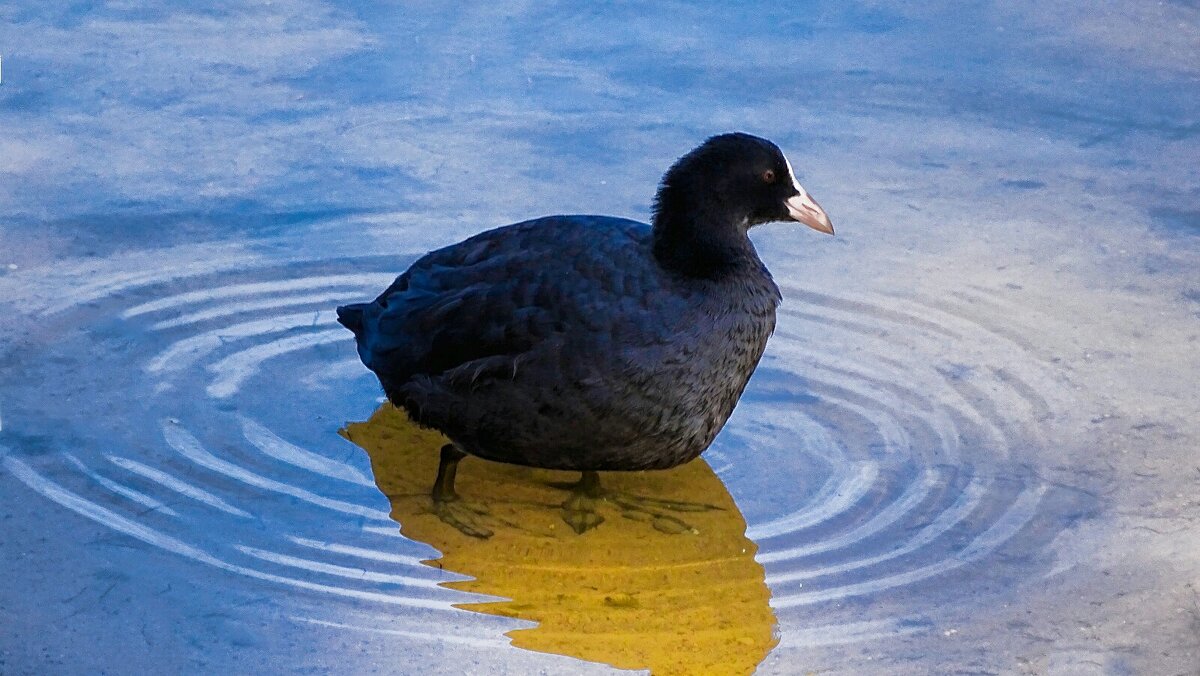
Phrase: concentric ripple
(884, 454)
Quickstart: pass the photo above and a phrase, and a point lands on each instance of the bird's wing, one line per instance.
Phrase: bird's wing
(473, 309)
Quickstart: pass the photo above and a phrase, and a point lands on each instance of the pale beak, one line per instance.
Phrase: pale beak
(804, 209)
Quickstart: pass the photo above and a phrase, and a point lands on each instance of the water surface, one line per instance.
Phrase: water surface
(971, 441)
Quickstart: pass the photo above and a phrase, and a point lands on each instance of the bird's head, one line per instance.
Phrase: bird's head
(737, 178)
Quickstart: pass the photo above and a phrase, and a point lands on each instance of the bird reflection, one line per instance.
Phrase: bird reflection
(666, 583)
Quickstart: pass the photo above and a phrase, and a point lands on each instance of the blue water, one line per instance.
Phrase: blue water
(971, 445)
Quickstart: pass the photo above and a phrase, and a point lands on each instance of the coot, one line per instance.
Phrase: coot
(591, 343)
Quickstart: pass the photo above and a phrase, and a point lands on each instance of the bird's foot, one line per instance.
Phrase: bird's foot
(580, 508)
(451, 509)
(579, 511)
(658, 512)
(467, 517)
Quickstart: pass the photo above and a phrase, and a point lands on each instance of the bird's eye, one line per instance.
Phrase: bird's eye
(768, 176)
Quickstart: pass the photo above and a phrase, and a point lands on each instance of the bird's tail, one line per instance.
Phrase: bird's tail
(351, 317)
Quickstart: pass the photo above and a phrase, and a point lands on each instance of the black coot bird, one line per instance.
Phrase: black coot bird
(591, 343)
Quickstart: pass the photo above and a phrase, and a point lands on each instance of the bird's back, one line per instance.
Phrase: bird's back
(498, 294)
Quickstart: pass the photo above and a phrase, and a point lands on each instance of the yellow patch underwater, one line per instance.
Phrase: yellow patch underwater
(673, 591)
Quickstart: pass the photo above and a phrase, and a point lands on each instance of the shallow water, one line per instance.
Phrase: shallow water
(971, 444)
(665, 579)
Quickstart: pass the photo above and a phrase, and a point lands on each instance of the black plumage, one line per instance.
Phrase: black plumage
(591, 342)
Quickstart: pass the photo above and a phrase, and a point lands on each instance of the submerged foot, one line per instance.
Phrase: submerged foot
(579, 511)
(580, 508)
(467, 517)
(658, 512)
(451, 509)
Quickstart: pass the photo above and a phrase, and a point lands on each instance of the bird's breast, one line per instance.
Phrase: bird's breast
(687, 390)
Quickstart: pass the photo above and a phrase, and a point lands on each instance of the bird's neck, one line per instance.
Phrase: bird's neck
(701, 240)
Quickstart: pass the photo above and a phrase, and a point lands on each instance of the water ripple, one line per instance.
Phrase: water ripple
(871, 463)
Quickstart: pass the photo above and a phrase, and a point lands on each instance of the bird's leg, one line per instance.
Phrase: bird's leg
(446, 503)
(443, 486)
(579, 509)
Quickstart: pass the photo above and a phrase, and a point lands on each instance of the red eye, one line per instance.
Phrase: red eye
(768, 176)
